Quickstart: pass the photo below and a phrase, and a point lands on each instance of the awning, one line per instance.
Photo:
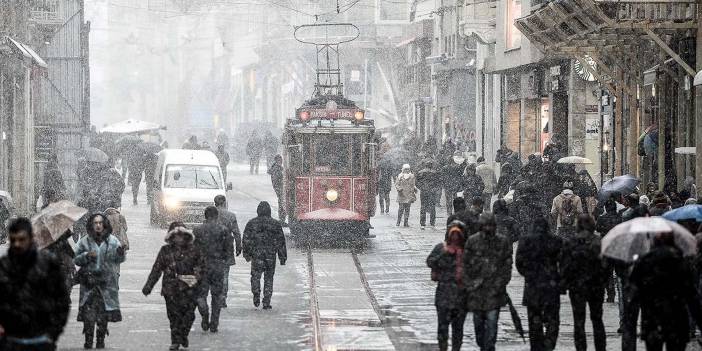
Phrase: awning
(405, 42)
(131, 126)
(26, 51)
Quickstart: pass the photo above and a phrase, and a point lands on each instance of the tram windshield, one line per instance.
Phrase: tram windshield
(334, 155)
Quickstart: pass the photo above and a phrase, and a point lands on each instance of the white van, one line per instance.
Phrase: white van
(187, 181)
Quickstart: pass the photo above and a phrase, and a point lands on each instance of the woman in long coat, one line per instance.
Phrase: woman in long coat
(182, 266)
(98, 255)
(446, 263)
(406, 193)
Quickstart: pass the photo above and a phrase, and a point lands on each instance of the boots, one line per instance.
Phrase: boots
(88, 331)
(443, 345)
(101, 333)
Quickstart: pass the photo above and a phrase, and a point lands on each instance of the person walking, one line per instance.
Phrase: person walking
(385, 175)
(452, 174)
(182, 267)
(150, 179)
(99, 255)
(507, 177)
(487, 174)
(34, 301)
(565, 209)
(585, 278)
(428, 184)
(228, 219)
(254, 149)
(223, 158)
(538, 260)
(263, 241)
(472, 183)
(664, 286)
(216, 244)
(270, 147)
(406, 193)
(506, 224)
(605, 222)
(54, 189)
(277, 179)
(119, 226)
(136, 172)
(487, 270)
(446, 263)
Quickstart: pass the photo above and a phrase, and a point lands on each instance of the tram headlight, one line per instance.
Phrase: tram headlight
(332, 195)
(358, 116)
(171, 203)
(304, 116)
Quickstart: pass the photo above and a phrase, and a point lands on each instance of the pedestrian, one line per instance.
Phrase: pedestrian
(385, 175)
(487, 270)
(150, 178)
(63, 252)
(631, 203)
(459, 205)
(111, 187)
(54, 188)
(605, 222)
(263, 241)
(586, 189)
(228, 219)
(223, 158)
(585, 277)
(276, 172)
(660, 204)
(182, 267)
(34, 301)
(119, 226)
(446, 263)
(565, 209)
(651, 189)
(506, 224)
(191, 143)
(472, 183)
(527, 207)
(452, 179)
(406, 193)
(254, 149)
(507, 177)
(136, 172)
(429, 184)
(216, 245)
(689, 190)
(99, 255)
(663, 281)
(487, 174)
(538, 259)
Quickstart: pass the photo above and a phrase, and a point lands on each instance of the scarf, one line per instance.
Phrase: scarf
(454, 246)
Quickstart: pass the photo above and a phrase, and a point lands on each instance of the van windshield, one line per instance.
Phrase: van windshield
(192, 177)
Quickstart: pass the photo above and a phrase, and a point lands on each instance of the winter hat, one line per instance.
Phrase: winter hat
(179, 230)
(568, 185)
(406, 166)
(660, 199)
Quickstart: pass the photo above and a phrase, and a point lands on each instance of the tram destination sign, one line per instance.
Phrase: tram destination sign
(324, 113)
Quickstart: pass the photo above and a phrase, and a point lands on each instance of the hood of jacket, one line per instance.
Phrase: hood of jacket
(264, 209)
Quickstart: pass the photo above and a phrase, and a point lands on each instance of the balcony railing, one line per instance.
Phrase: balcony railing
(46, 11)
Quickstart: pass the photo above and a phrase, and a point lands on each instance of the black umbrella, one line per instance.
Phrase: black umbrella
(624, 185)
(515, 318)
(150, 148)
(92, 154)
(127, 144)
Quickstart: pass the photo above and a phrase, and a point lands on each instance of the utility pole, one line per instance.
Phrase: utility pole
(698, 100)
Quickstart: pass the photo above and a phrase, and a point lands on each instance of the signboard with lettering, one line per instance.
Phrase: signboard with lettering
(325, 113)
(592, 128)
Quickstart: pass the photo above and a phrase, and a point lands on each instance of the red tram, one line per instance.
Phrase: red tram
(330, 168)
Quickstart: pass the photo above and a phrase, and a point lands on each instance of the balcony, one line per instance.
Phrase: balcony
(46, 12)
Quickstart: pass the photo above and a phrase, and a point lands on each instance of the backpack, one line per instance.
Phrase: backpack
(568, 211)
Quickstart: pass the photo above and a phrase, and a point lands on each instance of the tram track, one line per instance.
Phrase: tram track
(317, 323)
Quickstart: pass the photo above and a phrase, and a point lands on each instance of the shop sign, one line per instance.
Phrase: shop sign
(592, 129)
(591, 109)
(44, 142)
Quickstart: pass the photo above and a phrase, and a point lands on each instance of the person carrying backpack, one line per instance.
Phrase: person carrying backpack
(565, 209)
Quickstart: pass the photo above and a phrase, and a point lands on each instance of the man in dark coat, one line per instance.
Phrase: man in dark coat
(663, 281)
(277, 179)
(605, 223)
(385, 176)
(486, 272)
(254, 149)
(538, 260)
(585, 277)
(34, 301)
(506, 224)
(452, 178)
(182, 266)
(54, 188)
(428, 184)
(228, 219)
(136, 171)
(150, 164)
(112, 188)
(223, 158)
(215, 243)
(527, 206)
(446, 263)
(472, 183)
(263, 241)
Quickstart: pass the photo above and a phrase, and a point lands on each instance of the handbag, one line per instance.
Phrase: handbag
(89, 278)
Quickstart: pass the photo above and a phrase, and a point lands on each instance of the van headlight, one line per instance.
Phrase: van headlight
(332, 195)
(171, 204)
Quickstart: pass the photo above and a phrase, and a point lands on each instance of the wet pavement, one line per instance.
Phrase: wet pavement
(394, 310)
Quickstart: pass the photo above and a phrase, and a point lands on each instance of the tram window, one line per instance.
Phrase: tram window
(331, 155)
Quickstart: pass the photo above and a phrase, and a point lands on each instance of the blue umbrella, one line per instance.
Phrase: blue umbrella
(624, 185)
(685, 212)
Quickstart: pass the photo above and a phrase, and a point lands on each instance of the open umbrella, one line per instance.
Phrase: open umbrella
(623, 185)
(632, 239)
(131, 126)
(693, 212)
(54, 220)
(150, 148)
(515, 318)
(576, 160)
(92, 154)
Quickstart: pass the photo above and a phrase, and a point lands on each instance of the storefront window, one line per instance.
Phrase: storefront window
(513, 35)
